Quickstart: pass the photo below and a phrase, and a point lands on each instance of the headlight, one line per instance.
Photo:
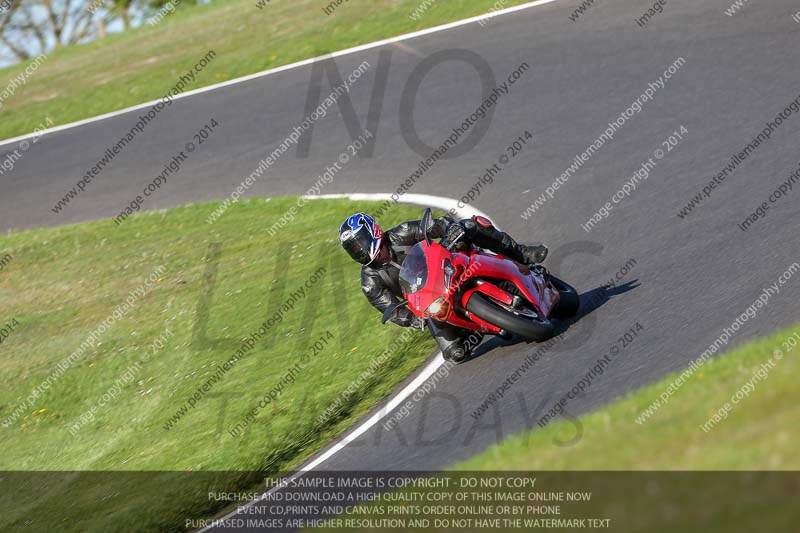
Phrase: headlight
(438, 308)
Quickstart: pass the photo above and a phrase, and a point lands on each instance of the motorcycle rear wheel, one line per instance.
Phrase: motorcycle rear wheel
(531, 329)
(569, 303)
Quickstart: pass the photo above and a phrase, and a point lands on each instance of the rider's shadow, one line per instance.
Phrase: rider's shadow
(591, 301)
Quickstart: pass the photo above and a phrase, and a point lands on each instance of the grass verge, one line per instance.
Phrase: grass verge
(663, 475)
(759, 432)
(61, 283)
(144, 64)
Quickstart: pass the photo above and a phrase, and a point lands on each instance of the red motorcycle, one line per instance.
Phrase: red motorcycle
(478, 291)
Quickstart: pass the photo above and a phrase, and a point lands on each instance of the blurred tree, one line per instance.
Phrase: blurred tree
(157, 4)
(29, 28)
(6, 15)
(122, 9)
(36, 27)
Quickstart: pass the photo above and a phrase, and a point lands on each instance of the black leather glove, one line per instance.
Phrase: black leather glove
(405, 318)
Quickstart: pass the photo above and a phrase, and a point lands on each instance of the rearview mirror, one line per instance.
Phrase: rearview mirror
(427, 224)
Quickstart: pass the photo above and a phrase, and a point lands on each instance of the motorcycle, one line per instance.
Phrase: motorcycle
(477, 291)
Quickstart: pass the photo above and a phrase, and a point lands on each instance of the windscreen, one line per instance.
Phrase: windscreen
(414, 273)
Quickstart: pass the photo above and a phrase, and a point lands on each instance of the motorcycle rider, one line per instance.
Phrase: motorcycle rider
(381, 255)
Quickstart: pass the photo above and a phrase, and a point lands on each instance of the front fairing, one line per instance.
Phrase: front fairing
(424, 280)
(422, 277)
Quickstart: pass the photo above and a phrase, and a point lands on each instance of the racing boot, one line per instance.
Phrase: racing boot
(456, 344)
(480, 231)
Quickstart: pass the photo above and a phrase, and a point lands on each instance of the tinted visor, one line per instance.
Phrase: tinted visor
(358, 246)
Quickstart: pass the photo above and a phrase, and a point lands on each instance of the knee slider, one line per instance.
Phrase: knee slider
(454, 352)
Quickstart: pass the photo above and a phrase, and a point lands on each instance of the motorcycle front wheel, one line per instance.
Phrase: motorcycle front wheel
(524, 323)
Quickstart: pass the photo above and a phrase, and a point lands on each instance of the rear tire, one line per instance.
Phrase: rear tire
(537, 330)
(570, 301)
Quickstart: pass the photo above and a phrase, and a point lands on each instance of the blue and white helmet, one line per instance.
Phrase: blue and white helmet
(361, 237)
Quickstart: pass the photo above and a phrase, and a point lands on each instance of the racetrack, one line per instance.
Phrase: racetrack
(695, 275)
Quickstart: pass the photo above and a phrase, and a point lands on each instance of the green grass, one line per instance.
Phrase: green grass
(681, 479)
(62, 282)
(761, 432)
(143, 64)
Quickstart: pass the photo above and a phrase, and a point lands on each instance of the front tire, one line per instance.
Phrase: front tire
(530, 329)
(569, 303)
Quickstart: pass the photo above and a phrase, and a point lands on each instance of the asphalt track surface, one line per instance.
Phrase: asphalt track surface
(693, 276)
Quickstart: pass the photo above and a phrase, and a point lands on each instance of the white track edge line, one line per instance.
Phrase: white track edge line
(438, 202)
(242, 79)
